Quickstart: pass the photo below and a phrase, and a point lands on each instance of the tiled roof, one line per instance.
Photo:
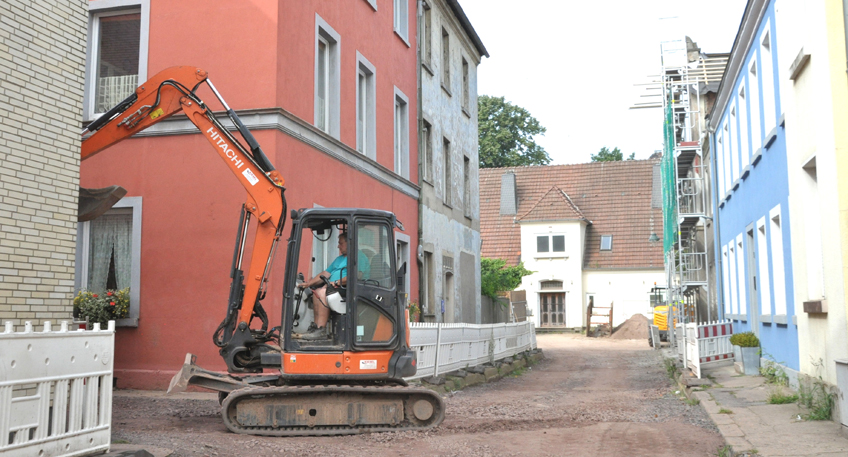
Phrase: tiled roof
(555, 205)
(614, 196)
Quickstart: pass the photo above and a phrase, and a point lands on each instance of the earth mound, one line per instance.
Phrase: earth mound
(635, 328)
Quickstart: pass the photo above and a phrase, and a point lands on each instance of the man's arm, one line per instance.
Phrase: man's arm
(316, 280)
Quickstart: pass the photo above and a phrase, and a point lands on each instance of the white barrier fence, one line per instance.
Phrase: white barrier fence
(443, 348)
(706, 345)
(55, 390)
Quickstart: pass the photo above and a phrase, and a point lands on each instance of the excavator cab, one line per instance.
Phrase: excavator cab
(366, 316)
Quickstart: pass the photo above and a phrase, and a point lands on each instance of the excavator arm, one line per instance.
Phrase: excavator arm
(166, 93)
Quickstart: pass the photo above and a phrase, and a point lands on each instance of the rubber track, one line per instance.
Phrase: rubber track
(404, 392)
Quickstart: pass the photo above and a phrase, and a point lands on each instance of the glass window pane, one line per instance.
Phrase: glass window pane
(372, 325)
(117, 60)
(606, 242)
(110, 252)
(360, 114)
(322, 84)
(559, 243)
(542, 243)
(374, 263)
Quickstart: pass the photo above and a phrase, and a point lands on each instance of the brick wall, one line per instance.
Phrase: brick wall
(42, 74)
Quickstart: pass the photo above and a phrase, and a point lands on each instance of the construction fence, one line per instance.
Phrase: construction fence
(443, 348)
(55, 390)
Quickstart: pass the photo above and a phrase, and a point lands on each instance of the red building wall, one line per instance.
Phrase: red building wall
(259, 54)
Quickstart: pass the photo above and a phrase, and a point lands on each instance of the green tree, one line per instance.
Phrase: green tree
(497, 277)
(605, 155)
(506, 134)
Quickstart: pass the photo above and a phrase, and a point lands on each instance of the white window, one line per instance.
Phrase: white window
(776, 245)
(731, 264)
(740, 268)
(109, 253)
(327, 79)
(719, 153)
(606, 242)
(401, 258)
(446, 60)
(465, 87)
(401, 19)
(732, 141)
(767, 71)
(745, 149)
(762, 252)
(550, 243)
(448, 189)
(401, 134)
(754, 100)
(725, 280)
(426, 149)
(426, 41)
(466, 186)
(728, 177)
(116, 53)
(366, 107)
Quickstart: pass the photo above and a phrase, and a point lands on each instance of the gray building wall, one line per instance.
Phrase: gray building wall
(42, 61)
(449, 232)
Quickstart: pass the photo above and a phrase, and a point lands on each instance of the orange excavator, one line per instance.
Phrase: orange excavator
(280, 382)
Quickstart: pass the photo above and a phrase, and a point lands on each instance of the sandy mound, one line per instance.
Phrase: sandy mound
(634, 328)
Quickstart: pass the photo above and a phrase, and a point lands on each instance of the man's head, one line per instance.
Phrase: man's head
(343, 243)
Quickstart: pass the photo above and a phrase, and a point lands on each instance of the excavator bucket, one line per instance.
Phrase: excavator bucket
(94, 202)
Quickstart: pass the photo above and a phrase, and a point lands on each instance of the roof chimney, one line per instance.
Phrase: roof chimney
(509, 198)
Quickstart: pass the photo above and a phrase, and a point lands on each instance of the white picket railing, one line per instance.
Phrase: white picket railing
(55, 390)
(443, 348)
(706, 345)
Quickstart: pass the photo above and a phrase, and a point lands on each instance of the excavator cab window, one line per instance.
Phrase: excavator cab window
(375, 307)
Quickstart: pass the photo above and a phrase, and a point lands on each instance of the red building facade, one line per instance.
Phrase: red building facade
(328, 88)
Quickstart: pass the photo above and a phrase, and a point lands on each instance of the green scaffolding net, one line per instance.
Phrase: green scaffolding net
(669, 188)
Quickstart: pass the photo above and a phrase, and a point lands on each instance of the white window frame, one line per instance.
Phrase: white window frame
(400, 12)
(426, 41)
(742, 277)
(731, 140)
(777, 265)
(324, 33)
(731, 251)
(720, 158)
(445, 63)
(728, 177)
(83, 249)
(401, 129)
(102, 8)
(609, 237)
(744, 147)
(365, 70)
(402, 241)
(466, 187)
(448, 171)
(763, 264)
(425, 149)
(754, 100)
(466, 87)
(550, 252)
(725, 277)
(767, 72)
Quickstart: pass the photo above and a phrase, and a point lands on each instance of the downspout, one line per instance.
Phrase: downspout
(845, 29)
(422, 280)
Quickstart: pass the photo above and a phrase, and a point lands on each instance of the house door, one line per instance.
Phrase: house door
(552, 309)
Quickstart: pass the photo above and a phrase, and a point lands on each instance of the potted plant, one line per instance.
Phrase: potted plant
(102, 308)
(746, 349)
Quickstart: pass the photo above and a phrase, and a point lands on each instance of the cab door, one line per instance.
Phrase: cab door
(375, 307)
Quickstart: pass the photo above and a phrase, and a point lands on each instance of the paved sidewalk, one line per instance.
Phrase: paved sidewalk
(738, 406)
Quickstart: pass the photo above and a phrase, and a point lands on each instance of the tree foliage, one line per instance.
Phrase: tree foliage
(497, 277)
(506, 134)
(605, 155)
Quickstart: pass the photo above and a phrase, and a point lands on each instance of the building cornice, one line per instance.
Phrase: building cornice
(745, 37)
(291, 125)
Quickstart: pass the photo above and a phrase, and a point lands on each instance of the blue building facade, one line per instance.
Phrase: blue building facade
(751, 191)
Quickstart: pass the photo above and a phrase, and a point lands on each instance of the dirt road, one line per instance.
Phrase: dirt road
(590, 397)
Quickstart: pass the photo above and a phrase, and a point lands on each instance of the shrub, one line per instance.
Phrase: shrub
(745, 340)
(110, 305)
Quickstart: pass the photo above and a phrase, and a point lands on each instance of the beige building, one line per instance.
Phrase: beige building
(42, 62)
(449, 52)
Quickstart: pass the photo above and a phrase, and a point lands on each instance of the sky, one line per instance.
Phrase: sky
(574, 64)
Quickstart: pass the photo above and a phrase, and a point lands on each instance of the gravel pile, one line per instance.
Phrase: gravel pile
(635, 328)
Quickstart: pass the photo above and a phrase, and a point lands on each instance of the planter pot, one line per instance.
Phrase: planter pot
(749, 359)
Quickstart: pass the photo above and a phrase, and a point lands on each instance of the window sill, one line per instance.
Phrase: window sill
(128, 322)
(428, 181)
(447, 204)
(550, 256)
(427, 67)
(445, 88)
(403, 38)
(772, 135)
(465, 112)
(755, 159)
(780, 319)
(469, 217)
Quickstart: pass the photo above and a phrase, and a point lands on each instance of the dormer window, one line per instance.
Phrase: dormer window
(550, 243)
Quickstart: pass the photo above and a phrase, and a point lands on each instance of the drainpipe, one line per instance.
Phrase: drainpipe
(845, 24)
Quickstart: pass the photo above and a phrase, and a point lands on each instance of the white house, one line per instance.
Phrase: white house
(583, 230)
